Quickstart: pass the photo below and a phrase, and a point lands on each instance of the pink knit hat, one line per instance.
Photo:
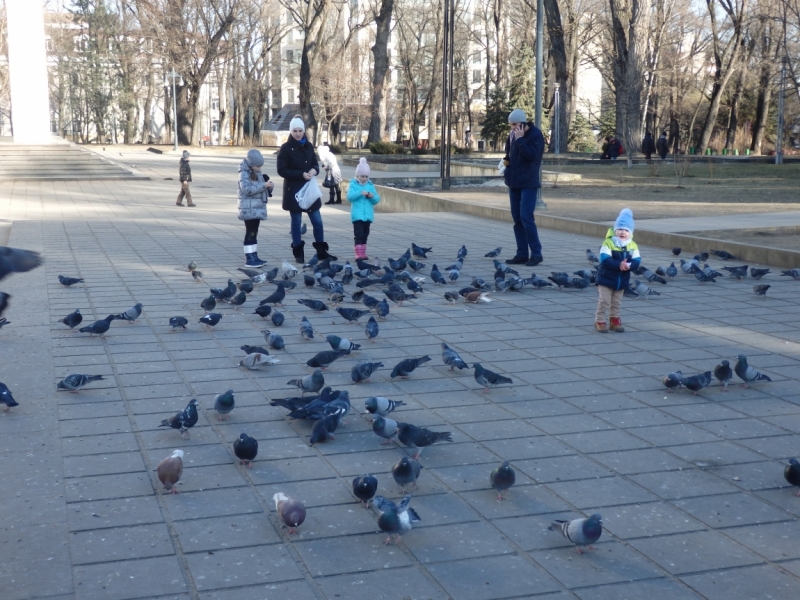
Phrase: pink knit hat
(363, 167)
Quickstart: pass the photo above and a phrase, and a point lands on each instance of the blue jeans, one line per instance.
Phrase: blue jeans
(523, 203)
(316, 225)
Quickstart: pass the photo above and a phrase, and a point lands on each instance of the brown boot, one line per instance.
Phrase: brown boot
(616, 325)
(601, 327)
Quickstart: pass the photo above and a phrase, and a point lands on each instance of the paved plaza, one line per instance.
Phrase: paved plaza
(690, 488)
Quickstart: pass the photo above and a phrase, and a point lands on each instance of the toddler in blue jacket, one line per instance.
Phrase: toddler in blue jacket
(619, 255)
(362, 196)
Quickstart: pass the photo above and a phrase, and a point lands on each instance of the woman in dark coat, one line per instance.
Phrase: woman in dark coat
(648, 145)
(297, 164)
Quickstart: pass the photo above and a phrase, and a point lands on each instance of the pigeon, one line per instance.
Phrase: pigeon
(131, 314)
(276, 297)
(723, 254)
(689, 267)
(324, 359)
(703, 278)
(98, 327)
(413, 286)
(382, 309)
(406, 366)
(224, 294)
(494, 253)
(245, 286)
(451, 358)
(436, 276)
(737, 272)
(761, 290)
(581, 532)
(68, 281)
(273, 340)
(451, 297)
(406, 472)
(711, 272)
(371, 328)
(211, 319)
(672, 381)
(291, 511)
(309, 281)
(209, 304)
(676, 251)
(178, 321)
(315, 305)
(184, 420)
(453, 275)
(306, 330)
(368, 301)
(170, 469)
(477, 297)
(4, 322)
(758, 273)
(245, 448)
(487, 378)
(271, 274)
(661, 271)
(385, 428)
(462, 252)
(289, 270)
(325, 427)
(591, 257)
(415, 265)
(292, 404)
(250, 272)
(629, 292)
(505, 269)
(695, 383)
(223, 404)
(263, 311)
(315, 407)
(310, 383)
(336, 298)
(277, 318)
(254, 349)
(420, 252)
(352, 314)
(395, 519)
(644, 290)
(363, 371)
(723, 373)
(671, 271)
(381, 406)
(73, 319)
(14, 260)
(502, 478)
(364, 488)
(191, 266)
(702, 257)
(792, 473)
(650, 276)
(417, 437)
(238, 299)
(793, 273)
(74, 382)
(747, 373)
(7, 400)
(338, 343)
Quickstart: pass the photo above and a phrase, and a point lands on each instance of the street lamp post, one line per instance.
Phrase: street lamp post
(781, 121)
(173, 74)
(557, 120)
(447, 92)
(539, 87)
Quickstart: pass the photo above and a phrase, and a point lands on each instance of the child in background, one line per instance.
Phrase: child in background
(333, 175)
(185, 173)
(619, 255)
(362, 196)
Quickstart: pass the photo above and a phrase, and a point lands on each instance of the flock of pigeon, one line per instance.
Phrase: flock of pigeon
(326, 408)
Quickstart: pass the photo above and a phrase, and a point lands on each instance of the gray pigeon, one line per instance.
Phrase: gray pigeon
(451, 358)
(178, 321)
(581, 532)
(487, 378)
(723, 373)
(791, 473)
(338, 343)
(72, 320)
(672, 381)
(418, 438)
(74, 382)
(406, 366)
(325, 427)
(324, 359)
(68, 281)
(502, 478)
(14, 260)
(793, 273)
(643, 290)
(672, 271)
(98, 327)
(405, 472)
(395, 519)
(590, 256)
(306, 330)
(211, 319)
(246, 449)
(364, 488)
(385, 428)
(371, 328)
(494, 253)
(223, 404)
(131, 314)
(381, 406)
(292, 512)
(7, 400)
(310, 383)
(363, 371)
(273, 340)
(747, 373)
(695, 383)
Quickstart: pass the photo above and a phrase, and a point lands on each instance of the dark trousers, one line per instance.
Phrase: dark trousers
(336, 194)
(523, 203)
(360, 232)
(251, 231)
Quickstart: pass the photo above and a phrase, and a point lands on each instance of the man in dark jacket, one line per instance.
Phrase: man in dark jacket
(648, 145)
(297, 164)
(185, 174)
(523, 161)
(662, 145)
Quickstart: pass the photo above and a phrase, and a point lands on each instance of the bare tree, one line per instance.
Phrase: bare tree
(380, 54)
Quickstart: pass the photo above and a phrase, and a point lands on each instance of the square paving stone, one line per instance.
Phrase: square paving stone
(594, 493)
(714, 454)
(78, 427)
(455, 542)
(387, 583)
(673, 435)
(212, 503)
(602, 441)
(296, 590)
(499, 430)
(113, 513)
(469, 477)
(562, 468)
(322, 492)
(695, 552)
(120, 543)
(755, 582)
(492, 577)
(334, 556)
(292, 469)
(529, 448)
(774, 541)
(219, 533)
(754, 476)
(730, 510)
(647, 520)
(104, 487)
(571, 424)
(242, 566)
(518, 501)
(775, 447)
(148, 577)
(99, 444)
(339, 520)
(646, 460)
(103, 464)
(636, 590)
(22, 580)
(748, 427)
(671, 485)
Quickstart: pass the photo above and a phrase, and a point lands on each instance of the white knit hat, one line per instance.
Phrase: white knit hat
(362, 168)
(297, 123)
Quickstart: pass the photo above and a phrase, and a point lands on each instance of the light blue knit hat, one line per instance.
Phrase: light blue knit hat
(624, 220)
(254, 158)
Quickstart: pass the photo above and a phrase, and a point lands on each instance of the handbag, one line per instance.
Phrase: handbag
(328, 181)
(308, 194)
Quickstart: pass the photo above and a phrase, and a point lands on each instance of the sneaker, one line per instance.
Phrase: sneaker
(178, 204)
(192, 205)
(517, 260)
(601, 327)
(533, 261)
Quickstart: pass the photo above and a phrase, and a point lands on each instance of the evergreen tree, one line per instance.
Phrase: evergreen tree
(495, 125)
(522, 92)
(581, 137)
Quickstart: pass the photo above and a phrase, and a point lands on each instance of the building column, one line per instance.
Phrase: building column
(27, 65)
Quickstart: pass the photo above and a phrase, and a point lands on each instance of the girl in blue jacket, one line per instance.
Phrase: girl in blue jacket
(362, 196)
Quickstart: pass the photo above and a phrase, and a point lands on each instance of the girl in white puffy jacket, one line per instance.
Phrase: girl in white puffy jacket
(332, 173)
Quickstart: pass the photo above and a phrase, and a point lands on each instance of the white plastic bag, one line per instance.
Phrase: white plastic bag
(308, 194)
(501, 166)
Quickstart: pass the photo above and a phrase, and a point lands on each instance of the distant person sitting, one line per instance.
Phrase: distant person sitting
(604, 150)
(614, 148)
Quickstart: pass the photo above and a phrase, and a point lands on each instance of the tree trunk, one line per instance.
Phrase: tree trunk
(558, 52)
(380, 53)
(313, 22)
(148, 107)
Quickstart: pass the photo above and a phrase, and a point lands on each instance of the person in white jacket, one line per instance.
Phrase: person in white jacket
(333, 175)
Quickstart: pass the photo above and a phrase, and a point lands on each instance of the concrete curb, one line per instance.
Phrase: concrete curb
(400, 201)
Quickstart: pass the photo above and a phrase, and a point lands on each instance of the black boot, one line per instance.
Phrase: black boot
(299, 255)
(322, 250)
